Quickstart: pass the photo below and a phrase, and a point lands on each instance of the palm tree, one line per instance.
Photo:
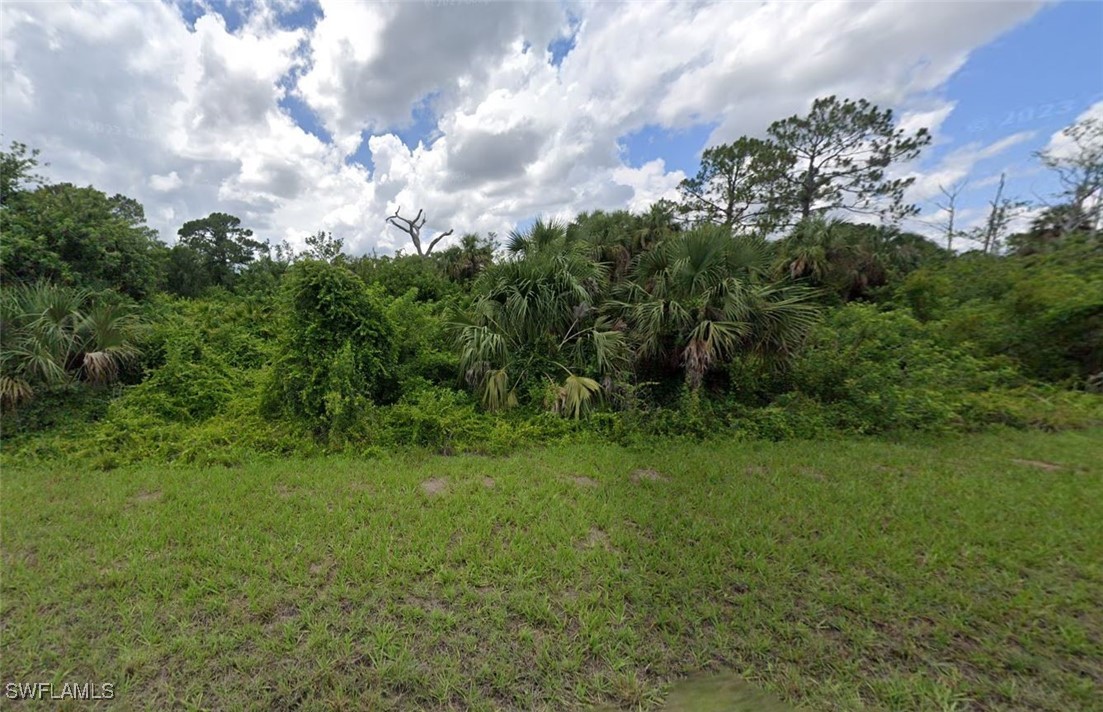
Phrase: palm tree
(654, 226)
(468, 259)
(535, 317)
(107, 336)
(842, 258)
(850, 260)
(807, 252)
(541, 236)
(608, 238)
(37, 340)
(50, 335)
(617, 238)
(702, 296)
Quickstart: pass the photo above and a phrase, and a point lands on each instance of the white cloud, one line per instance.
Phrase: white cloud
(191, 120)
(372, 62)
(1061, 145)
(929, 116)
(960, 163)
(649, 183)
(165, 183)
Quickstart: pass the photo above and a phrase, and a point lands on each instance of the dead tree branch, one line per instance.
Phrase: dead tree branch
(413, 229)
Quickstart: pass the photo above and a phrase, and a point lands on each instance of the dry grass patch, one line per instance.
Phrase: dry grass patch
(1040, 464)
(594, 539)
(435, 486)
(647, 474)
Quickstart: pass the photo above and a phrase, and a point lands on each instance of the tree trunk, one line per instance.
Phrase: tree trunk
(808, 190)
(995, 218)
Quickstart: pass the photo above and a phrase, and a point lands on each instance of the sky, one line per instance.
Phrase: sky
(305, 116)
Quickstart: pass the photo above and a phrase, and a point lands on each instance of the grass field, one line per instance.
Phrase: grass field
(964, 574)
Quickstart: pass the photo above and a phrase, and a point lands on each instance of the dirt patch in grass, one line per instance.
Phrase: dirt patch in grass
(648, 474)
(113, 567)
(723, 691)
(435, 486)
(488, 482)
(143, 497)
(286, 612)
(581, 481)
(284, 491)
(429, 605)
(594, 539)
(323, 569)
(1040, 464)
(27, 557)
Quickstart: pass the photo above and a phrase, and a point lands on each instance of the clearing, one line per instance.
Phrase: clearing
(839, 575)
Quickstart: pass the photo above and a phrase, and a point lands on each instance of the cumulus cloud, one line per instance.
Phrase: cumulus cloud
(1061, 145)
(192, 117)
(165, 183)
(372, 62)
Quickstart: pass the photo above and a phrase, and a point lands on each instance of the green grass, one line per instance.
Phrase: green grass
(842, 575)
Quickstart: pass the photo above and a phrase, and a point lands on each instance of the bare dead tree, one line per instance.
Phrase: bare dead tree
(413, 229)
(950, 206)
(1000, 214)
(996, 217)
(1079, 169)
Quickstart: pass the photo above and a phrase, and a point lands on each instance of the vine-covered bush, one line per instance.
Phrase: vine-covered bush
(336, 348)
(1045, 311)
(884, 370)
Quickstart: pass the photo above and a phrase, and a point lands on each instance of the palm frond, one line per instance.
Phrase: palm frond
(575, 395)
(14, 392)
(496, 393)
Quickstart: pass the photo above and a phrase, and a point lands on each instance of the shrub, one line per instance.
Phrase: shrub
(397, 275)
(201, 356)
(883, 370)
(425, 353)
(336, 348)
(1045, 311)
(52, 336)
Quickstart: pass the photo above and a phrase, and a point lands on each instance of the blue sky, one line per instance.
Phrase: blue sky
(329, 114)
(1038, 77)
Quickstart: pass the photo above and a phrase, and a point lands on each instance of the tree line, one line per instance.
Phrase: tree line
(732, 294)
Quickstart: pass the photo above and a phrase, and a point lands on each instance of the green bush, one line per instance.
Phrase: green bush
(398, 275)
(336, 348)
(201, 356)
(425, 353)
(1044, 311)
(877, 371)
(62, 408)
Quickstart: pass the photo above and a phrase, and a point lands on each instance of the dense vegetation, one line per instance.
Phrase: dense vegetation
(750, 308)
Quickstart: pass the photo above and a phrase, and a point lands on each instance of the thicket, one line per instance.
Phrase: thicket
(683, 321)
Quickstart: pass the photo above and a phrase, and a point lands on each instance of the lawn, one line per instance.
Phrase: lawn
(957, 574)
